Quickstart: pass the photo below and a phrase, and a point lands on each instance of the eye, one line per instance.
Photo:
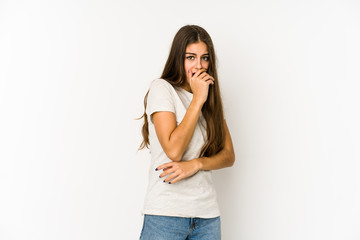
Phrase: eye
(206, 58)
(190, 57)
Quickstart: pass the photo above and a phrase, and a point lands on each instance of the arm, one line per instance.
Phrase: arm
(224, 158)
(175, 139)
(180, 170)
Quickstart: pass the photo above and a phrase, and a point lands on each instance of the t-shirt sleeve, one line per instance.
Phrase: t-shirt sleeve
(160, 98)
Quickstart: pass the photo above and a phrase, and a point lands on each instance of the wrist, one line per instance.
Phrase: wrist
(196, 102)
(199, 163)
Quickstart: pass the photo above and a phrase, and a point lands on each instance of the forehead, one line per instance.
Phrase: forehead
(198, 48)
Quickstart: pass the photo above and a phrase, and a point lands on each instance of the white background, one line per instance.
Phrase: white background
(73, 75)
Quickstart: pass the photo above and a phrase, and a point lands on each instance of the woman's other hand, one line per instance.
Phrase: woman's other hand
(199, 84)
(175, 171)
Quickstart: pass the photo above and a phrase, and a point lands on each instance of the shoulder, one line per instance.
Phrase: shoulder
(160, 82)
(160, 96)
(160, 85)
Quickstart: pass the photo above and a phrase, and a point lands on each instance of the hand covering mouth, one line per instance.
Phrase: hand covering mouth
(193, 73)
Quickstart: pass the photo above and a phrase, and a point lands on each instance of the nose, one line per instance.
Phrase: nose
(198, 64)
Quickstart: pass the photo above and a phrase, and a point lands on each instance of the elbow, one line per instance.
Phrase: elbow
(172, 152)
(174, 156)
(231, 158)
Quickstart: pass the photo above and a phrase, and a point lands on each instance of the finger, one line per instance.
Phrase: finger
(178, 178)
(166, 172)
(171, 176)
(165, 165)
(190, 77)
(210, 82)
(199, 72)
(207, 77)
(203, 74)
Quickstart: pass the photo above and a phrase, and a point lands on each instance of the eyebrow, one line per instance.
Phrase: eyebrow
(195, 54)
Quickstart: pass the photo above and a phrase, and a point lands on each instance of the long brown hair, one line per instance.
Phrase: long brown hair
(174, 73)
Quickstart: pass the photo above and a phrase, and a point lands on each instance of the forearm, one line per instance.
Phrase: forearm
(222, 159)
(181, 136)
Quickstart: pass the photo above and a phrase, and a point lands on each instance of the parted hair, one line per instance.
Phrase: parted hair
(174, 73)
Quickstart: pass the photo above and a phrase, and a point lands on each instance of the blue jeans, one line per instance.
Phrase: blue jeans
(156, 227)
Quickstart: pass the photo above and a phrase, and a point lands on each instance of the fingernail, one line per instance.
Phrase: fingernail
(169, 182)
(159, 176)
(164, 180)
(156, 169)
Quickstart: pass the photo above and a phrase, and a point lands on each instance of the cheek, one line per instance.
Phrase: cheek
(188, 65)
(206, 64)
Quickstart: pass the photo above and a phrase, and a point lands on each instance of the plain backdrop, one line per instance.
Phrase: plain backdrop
(73, 75)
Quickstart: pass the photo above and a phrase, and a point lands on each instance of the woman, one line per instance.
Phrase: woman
(184, 126)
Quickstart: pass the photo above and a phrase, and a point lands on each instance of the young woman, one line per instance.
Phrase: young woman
(184, 126)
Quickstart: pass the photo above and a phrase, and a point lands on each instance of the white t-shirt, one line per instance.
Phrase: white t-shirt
(194, 196)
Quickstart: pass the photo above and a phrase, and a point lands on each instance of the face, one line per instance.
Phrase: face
(196, 57)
